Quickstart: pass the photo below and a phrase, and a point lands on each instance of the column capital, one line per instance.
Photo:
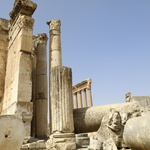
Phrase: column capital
(4, 24)
(25, 21)
(41, 39)
(54, 24)
(25, 7)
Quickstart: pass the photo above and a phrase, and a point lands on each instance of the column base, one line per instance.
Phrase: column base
(61, 141)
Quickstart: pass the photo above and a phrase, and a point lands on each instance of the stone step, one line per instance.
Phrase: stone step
(82, 149)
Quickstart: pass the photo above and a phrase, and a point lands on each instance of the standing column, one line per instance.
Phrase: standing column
(61, 100)
(75, 100)
(80, 99)
(61, 109)
(55, 43)
(41, 86)
(89, 93)
(85, 98)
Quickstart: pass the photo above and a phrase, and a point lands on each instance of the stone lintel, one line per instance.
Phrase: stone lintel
(25, 7)
(86, 84)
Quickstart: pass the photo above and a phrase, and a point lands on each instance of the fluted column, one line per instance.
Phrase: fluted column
(41, 86)
(85, 98)
(89, 93)
(61, 100)
(55, 43)
(75, 100)
(80, 99)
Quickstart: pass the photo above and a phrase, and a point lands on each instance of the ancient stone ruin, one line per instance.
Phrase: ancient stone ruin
(75, 124)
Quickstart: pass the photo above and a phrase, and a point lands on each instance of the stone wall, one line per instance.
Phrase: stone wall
(18, 81)
(3, 54)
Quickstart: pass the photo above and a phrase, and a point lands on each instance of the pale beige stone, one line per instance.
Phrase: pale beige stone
(55, 43)
(61, 100)
(12, 133)
(82, 94)
(136, 133)
(89, 119)
(61, 141)
(3, 54)
(18, 80)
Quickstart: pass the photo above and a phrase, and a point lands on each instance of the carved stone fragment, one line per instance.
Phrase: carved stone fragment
(111, 127)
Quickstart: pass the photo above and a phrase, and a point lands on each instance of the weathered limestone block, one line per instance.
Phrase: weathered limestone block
(38, 145)
(25, 82)
(82, 140)
(61, 141)
(136, 133)
(111, 128)
(89, 119)
(25, 7)
(3, 53)
(109, 145)
(144, 102)
(61, 100)
(12, 133)
(62, 125)
(95, 144)
(21, 33)
(55, 43)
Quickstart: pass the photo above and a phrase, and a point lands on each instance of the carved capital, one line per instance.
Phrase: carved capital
(54, 24)
(25, 7)
(4, 25)
(25, 21)
(41, 39)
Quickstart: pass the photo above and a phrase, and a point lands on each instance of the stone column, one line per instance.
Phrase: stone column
(61, 109)
(89, 119)
(41, 87)
(61, 100)
(89, 93)
(136, 132)
(55, 43)
(85, 98)
(75, 100)
(80, 99)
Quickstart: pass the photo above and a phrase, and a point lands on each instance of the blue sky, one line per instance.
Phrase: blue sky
(106, 40)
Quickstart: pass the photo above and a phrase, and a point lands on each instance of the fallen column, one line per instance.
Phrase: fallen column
(136, 133)
(89, 119)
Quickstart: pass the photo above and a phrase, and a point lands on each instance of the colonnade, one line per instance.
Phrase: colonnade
(82, 95)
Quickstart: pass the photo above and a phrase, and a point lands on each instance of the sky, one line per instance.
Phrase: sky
(105, 40)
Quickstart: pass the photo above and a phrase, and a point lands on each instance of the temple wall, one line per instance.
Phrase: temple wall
(3, 54)
(18, 81)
